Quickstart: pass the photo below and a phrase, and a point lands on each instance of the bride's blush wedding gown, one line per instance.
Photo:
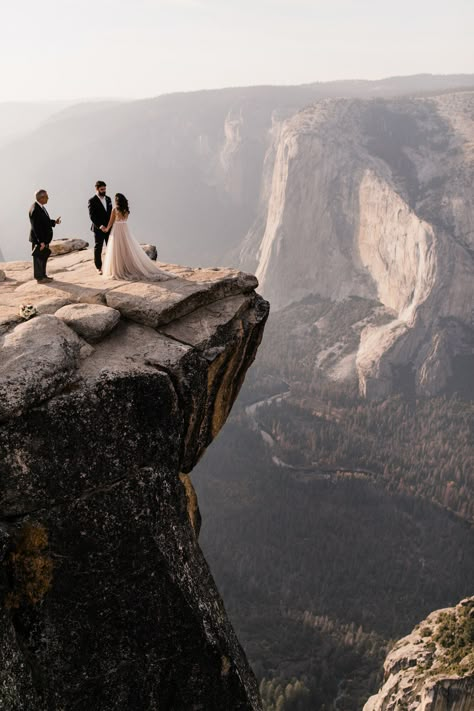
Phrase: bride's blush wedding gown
(125, 259)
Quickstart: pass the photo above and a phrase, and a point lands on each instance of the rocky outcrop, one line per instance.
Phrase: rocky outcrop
(65, 246)
(372, 199)
(108, 398)
(91, 321)
(432, 669)
(151, 251)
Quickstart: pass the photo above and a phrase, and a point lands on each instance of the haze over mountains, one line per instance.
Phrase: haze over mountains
(20, 117)
(191, 164)
(291, 183)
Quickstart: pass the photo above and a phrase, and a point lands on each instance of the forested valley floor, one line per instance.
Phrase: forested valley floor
(333, 525)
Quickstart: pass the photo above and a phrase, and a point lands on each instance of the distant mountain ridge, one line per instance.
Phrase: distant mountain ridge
(204, 151)
(21, 117)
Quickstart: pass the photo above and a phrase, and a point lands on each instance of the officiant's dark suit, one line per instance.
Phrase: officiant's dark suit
(100, 216)
(41, 234)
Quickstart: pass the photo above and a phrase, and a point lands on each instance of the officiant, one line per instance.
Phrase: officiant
(41, 234)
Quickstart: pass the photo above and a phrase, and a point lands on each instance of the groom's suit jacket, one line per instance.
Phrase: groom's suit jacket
(41, 225)
(98, 215)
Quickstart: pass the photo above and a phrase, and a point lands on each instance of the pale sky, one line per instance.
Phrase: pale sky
(73, 49)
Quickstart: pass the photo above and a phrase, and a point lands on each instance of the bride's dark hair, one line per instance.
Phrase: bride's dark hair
(121, 203)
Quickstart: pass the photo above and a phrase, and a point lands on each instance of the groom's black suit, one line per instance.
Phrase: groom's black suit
(99, 216)
(41, 232)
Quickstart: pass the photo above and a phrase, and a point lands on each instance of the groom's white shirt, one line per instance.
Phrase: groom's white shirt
(103, 201)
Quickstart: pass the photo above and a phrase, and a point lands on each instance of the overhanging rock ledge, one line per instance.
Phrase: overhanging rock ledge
(108, 398)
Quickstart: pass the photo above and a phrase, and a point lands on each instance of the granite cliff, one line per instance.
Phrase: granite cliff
(432, 669)
(372, 199)
(109, 395)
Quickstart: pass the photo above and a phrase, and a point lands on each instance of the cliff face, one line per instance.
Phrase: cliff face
(372, 198)
(432, 669)
(108, 397)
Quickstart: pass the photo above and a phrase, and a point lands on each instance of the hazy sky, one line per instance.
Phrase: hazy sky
(68, 49)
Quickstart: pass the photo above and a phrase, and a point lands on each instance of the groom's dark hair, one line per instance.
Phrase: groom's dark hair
(100, 184)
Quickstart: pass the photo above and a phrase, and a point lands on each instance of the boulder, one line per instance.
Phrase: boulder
(38, 358)
(91, 321)
(65, 246)
(150, 249)
(51, 305)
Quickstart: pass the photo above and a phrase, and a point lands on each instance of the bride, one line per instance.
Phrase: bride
(125, 259)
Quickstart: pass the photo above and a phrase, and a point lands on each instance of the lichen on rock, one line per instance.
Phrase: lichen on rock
(31, 568)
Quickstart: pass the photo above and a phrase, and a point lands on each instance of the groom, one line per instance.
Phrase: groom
(100, 209)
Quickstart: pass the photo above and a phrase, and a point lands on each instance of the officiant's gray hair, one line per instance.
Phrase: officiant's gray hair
(40, 193)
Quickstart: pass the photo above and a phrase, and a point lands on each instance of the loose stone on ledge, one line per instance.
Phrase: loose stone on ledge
(91, 321)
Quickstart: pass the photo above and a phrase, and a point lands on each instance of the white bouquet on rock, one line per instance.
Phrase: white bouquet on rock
(27, 311)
